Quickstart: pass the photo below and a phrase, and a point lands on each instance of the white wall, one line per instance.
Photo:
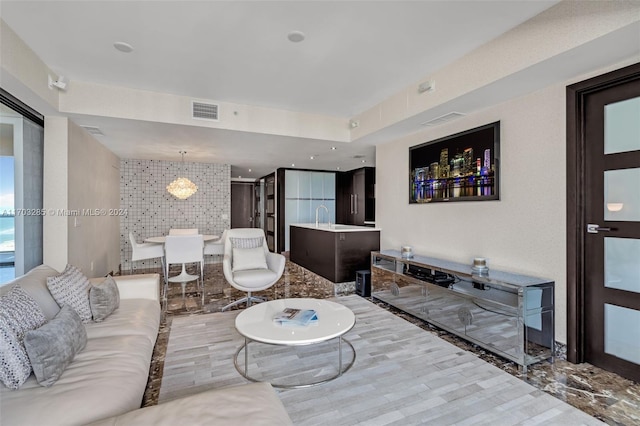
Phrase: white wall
(79, 174)
(55, 246)
(152, 211)
(523, 232)
(94, 186)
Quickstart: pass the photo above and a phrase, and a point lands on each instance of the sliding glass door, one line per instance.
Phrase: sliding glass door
(21, 185)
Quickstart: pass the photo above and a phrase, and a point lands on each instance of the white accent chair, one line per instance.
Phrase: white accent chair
(250, 279)
(144, 251)
(183, 249)
(183, 231)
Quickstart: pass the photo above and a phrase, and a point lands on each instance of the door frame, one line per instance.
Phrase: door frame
(576, 223)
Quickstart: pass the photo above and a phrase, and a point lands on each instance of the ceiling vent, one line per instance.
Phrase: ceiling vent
(204, 111)
(443, 118)
(95, 131)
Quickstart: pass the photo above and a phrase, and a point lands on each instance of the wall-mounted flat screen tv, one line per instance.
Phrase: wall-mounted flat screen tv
(460, 167)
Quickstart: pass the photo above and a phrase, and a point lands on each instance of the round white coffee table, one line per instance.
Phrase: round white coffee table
(256, 324)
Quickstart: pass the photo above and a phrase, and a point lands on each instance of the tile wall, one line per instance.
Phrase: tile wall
(152, 211)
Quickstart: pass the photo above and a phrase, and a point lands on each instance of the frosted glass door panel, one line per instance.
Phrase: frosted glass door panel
(622, 263)
(304, 186)
(331, 205)
(316, 184)
(622, 126)
(622, 332)
(291, 182)
(329, 186)
(305, 215)
(292, 215)
(622, 195)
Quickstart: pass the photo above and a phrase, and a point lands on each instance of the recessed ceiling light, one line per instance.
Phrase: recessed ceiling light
(293, 165)
(337, 168)
(333, 148)
(311, 157)
(295, 36)
(249, 170)
(123, 47)
(364, 161)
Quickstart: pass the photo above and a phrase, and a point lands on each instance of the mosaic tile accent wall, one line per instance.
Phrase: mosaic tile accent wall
(151, 211)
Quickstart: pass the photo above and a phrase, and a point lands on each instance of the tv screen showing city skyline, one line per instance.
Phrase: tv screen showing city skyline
(459, 167)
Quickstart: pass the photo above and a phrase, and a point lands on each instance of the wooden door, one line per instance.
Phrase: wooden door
(608, 226)
(242, 205)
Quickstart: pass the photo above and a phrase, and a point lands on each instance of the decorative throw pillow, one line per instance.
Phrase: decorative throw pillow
(19, 313)
(104, 298)
(71, 288)
(15, 367)
(249, 258)
(54, 345)
(247, 243)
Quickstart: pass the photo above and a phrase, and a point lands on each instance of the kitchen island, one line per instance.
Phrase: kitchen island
(334, 252)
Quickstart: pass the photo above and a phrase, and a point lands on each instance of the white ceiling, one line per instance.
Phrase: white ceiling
(356, 54)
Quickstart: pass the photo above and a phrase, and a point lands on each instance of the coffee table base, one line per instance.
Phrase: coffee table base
(341, 370)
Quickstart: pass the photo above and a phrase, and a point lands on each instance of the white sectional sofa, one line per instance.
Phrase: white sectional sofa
(106, 381)
(108, 377)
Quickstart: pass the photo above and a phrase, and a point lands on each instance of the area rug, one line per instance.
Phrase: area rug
(402, 375)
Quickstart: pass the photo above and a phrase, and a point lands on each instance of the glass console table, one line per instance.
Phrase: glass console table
(508, 314)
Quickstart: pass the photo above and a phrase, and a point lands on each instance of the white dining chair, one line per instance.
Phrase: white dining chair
(215, 247)
(183, 231)
(144, 251)
(183, 249)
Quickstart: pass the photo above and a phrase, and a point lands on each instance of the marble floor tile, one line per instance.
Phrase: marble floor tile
(601, 394)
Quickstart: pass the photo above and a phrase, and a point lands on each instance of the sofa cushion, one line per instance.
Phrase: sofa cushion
(134, 317)
(104, 298)
(19, 313)
(254, 278)
(54, 345)
(249, 258)
(34, 283)
(255, 404)
(71, 288)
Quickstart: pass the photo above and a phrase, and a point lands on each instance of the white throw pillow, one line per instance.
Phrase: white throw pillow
(247, 243)
(249, 258)
(71, 288)
(19, 313)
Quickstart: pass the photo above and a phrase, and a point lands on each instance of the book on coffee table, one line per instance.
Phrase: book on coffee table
(294, 316)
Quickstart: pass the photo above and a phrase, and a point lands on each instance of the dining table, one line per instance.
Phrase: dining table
(163, 238)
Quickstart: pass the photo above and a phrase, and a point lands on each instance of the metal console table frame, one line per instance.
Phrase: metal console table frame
(511, 315)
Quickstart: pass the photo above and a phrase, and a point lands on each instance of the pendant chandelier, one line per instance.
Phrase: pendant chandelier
(182, 187)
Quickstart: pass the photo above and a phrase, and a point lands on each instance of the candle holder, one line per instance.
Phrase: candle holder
(479, 266)
(407, 252)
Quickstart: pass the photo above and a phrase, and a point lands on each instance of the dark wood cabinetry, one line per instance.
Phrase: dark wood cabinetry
(270, 210)
(333, 255)
(356, 196)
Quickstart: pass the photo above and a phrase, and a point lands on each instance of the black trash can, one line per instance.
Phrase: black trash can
(363, 283)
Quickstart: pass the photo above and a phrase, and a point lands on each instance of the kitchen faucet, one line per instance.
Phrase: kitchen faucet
(327, 210)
